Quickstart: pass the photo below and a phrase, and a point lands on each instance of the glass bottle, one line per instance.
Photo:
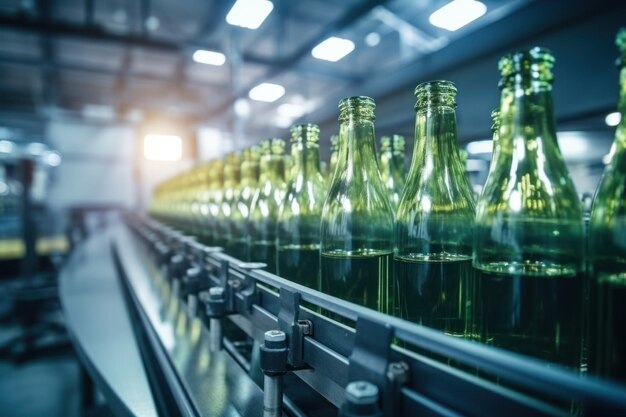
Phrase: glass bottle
(357, 219)
(433, 281)
(607, 247)
(528, 241)
(238, 243)
(334, 151)
(232, 176)
(301, 211)
(214, 200)
(265, 205)
(391, 165)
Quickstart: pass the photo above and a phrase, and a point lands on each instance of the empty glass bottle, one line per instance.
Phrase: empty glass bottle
(301, 210)
(433, 280)
(357, 219)
(528, 242)
(266, 203)
(391, 165)
(232, 176)
(607, 250)
(238, 240)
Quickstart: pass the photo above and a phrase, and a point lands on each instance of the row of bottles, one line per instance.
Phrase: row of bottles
(508, 269)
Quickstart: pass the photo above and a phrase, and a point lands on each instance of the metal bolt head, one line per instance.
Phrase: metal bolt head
(398, 372)
(215, 293)
(275, 336)
(252, 265)
(362, 393)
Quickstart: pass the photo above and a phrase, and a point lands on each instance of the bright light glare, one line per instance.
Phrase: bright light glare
(203, 56)
(613, 119)
(267, 92)
(291, 110)
(480, 146)
(162, 147)
(249, 14)
(372, 39)
(242, 107)
(52, 158)
(6, 146)
(457, 14)
(333, 49)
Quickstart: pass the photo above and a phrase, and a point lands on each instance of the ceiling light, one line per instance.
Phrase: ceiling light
(249, 14)
(457, 14)
(52, 158)
(6, 146)
(242, 107)
(613, 119)
(372, 39)
(282, 121)
(267, 92)
(203, 56)
(162, 147)
(480, 146)
(291, 110)
(333, 49)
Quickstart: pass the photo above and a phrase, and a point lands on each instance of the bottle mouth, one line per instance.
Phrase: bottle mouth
(360, 107)
(277, 146)
(533, 64)
(307, 132)
(435, 93)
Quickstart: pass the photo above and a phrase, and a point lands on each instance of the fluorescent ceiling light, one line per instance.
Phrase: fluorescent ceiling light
(203, 56)
(98, 112)
(457, 14)
(291, 110)
(480, 146)
(613, 119)
(162, 147)
(267, 92)
(333, 49)
(6, 146)
(249, 14)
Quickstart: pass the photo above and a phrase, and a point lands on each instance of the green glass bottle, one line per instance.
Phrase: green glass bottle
(391, 165)
(334, 152)
(433, 281)
(528, 241)
(232, 177)
(214, 200)
(607, 250)
(238, 243)
(266, 203)
(301, 211)
(357, 219)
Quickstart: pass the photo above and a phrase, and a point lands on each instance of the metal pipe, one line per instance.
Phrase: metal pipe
(272, 396)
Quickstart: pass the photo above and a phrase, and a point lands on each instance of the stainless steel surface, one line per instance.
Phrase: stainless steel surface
(272, 395)
(101, 330)
(215, 331)
(214, 382)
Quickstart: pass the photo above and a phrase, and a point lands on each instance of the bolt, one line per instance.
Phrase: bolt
(216, 293)
(306, 326)
(275, 336)
(398, 372)
(251, 265)
(362, 393)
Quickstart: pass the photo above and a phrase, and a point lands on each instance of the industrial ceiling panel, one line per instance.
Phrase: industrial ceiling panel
(19, 44)
(208, 74)
(92, 54)
(153, 62)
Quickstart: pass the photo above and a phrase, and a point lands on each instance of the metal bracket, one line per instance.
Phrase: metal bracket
(370, 361)
(294, 329)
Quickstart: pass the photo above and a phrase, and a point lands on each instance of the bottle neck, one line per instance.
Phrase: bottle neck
(356, 148)
(272, 169)
(435, 150)
(306, 158)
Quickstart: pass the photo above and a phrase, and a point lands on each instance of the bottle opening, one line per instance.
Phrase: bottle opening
(359, 107)
(307, 132)
(534, 64)
(435, 93)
